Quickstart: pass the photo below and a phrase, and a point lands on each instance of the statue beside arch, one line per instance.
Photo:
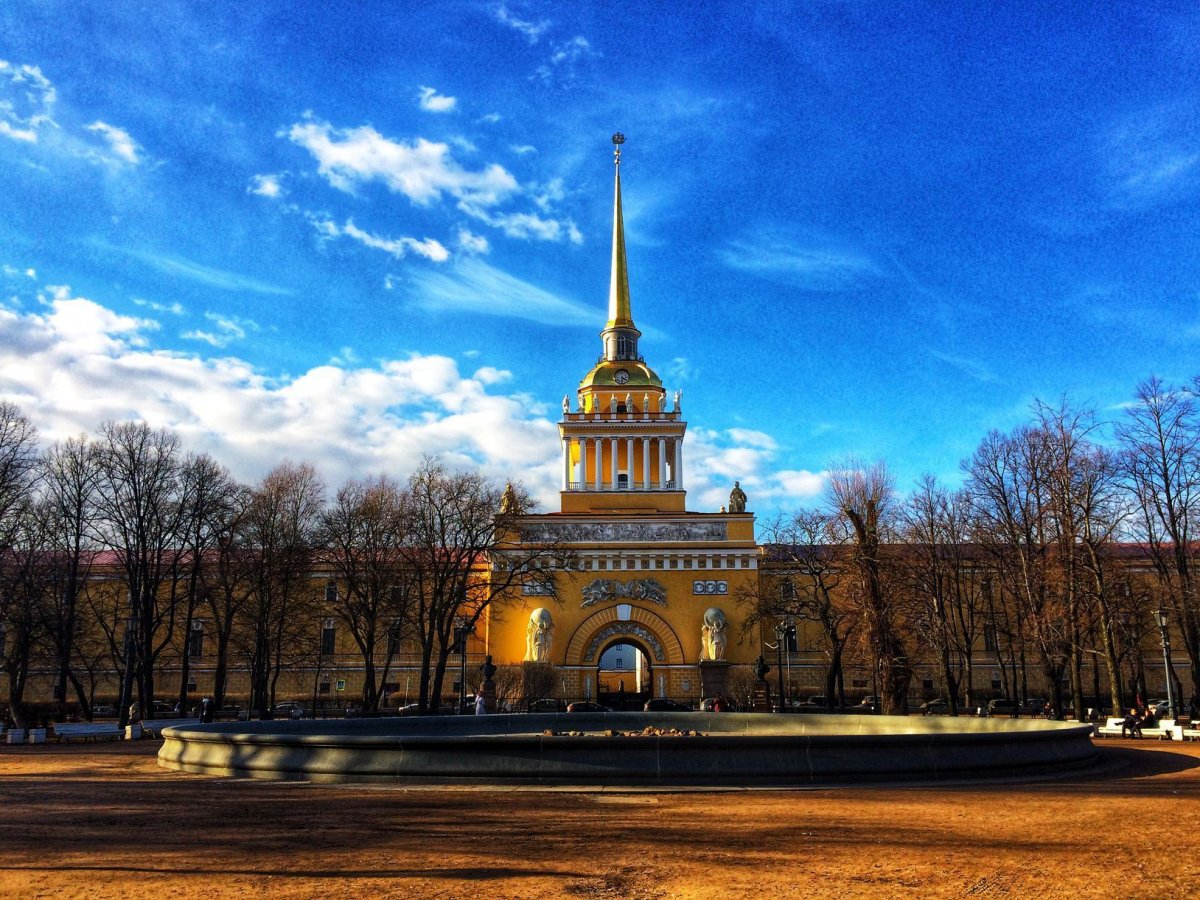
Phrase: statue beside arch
(712, 634)
(539, 635)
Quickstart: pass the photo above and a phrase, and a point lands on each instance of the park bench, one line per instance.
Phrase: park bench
(1163, 729)
(86, 731)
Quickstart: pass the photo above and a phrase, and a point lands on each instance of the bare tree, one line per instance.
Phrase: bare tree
(463, 555)
(862, 497)
(1008, 483)
(280, 542)
(229, 582)
(21, 534)
(363, 536)
(945, 579)
(209, 497)
(806, 558)
(1160, 439)
(141, 519)
(69, 489)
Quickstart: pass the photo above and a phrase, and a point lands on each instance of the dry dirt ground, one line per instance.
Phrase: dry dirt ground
(105, 821)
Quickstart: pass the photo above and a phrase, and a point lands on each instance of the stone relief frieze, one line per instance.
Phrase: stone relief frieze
(603, 589)
(710, 587)
(601, 532)
(626, 629)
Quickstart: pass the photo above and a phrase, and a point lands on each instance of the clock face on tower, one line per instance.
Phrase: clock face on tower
(621, 376)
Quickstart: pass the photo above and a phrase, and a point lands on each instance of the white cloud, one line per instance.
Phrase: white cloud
(27, 100)
(528, 225)
(531, 30)
(522, 149)
(422, 170)
(119, 141)
(266, 186)
(175, 309)
(681, 369)
(77, 364)
(397, 247)
(472, 243)
(490, 118)
(1152, 156)
(432, 101)
(226, 330)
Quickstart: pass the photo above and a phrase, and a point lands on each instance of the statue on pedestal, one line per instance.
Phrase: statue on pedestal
(508, 500)
(712, 634)
(539, 634)
(737, 498)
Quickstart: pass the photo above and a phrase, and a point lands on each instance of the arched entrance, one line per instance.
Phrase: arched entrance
(624, 674)
(636, 630)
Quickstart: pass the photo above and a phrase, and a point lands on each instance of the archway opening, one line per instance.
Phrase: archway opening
(624, 675)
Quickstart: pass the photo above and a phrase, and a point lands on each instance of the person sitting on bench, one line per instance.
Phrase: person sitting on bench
(1133, 724)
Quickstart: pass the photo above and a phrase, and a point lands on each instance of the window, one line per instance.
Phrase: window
(927, 684)
(328, 638)
(195, 647)
(191, 687)
(989, 637)
(331, 593)
(323, 687)
(393, 640)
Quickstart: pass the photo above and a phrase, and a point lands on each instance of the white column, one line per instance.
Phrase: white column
(583, 455)
(566, 464)
(629, 463)
(599, 462)
(662, 461)
(613, 445)
(678, 464)
(646, 464)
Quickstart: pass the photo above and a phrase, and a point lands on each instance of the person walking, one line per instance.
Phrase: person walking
(480, 705)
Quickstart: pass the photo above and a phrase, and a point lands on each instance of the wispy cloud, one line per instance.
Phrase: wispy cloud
(184, 268)
(226, 329)
(972, 368)
(565, 58)
(124, 147)
(805, 264)
(267, 185)
(530, 29)
(431, 101)
(175, 309)
(473, 285)
(1153, 155)
(397, 247)
(27, 101)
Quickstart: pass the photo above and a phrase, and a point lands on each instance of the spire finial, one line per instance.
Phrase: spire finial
(618, 139)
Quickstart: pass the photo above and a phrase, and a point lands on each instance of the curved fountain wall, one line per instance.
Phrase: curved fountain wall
(730, 749)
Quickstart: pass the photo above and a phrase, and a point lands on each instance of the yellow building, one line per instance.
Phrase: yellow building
(649, 577)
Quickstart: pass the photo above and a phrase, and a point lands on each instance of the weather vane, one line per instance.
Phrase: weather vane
(618, 139)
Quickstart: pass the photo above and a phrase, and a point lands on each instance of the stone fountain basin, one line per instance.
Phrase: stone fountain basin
(731, 749)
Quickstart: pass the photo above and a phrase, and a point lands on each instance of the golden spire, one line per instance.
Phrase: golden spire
(619, 311)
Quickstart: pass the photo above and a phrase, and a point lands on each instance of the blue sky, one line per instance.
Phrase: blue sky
(357, 233)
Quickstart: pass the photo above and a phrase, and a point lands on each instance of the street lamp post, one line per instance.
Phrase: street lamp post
(461, 632)
(784, 631)
(1166, 649)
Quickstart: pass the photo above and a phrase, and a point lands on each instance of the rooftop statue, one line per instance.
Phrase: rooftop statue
(737, 498)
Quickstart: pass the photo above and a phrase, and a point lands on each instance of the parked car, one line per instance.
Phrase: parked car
(665, 704)
(289, 709)
(1161, 708)
(937, 707)
(1034, 706)
(547, 705)
(1001, 707)
(587, 706)
(409, 709)
(869, 706)
(727, 705)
